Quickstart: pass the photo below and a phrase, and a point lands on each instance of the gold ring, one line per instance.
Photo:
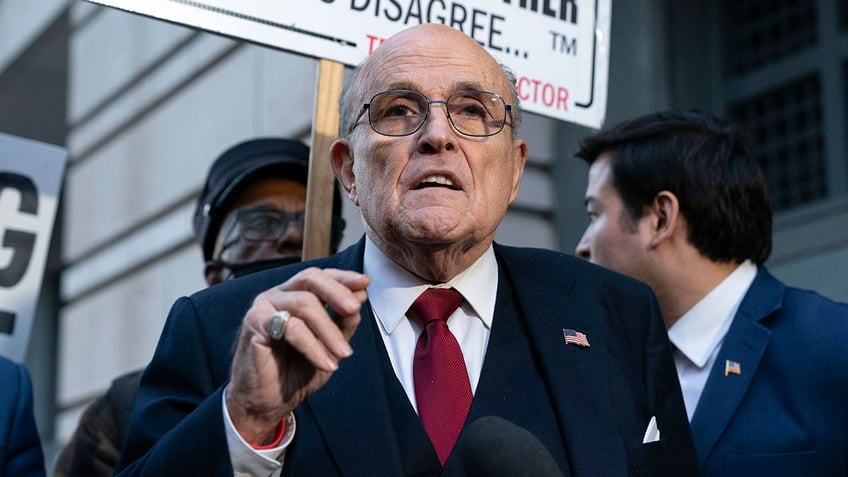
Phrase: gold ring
(276, 326)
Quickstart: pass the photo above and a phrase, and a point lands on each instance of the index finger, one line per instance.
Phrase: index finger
(341, 290)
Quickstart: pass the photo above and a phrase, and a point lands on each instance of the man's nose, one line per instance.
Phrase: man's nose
(437, 132)
(291, 237)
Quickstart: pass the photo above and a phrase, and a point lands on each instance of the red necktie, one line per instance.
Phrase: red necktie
(441, 382)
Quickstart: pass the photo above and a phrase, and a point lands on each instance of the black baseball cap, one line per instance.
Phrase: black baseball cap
(272, 157)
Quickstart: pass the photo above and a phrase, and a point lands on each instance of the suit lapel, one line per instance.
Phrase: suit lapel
(578, 377)
(745, 343)
(363, 417)
(511, 382)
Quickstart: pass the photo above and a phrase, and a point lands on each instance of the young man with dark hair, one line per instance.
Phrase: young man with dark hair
(678, 201)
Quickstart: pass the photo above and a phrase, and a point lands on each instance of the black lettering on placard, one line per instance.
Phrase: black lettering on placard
(563, 43)
(484, 27)
(21, 243)
(565, 10)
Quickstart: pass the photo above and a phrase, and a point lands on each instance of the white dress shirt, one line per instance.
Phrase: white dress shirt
(698, 335)
(390, 293)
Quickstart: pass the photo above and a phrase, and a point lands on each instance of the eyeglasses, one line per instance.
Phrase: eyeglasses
(261, 224)
(401, 112)
(268, 224)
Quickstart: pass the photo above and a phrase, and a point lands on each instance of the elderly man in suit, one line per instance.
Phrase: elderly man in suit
(20, 446)
(677, 200)
(374, 361)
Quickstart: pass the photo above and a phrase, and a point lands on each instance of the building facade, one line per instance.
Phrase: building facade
(144, 107)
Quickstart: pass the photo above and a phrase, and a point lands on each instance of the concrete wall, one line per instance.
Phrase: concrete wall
(21, 22)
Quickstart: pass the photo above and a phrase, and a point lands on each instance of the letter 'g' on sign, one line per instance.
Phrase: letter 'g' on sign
(20, 243)
(31, 175)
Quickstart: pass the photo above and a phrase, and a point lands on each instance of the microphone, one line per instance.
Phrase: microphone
(494, 447)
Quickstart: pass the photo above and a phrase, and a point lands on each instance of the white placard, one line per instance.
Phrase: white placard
(559, 49)
(30, 180)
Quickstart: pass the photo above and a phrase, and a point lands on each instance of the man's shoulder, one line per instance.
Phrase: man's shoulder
(124, 387)
(545, 261)
(794, 300)
(15, 379)
(811, 298)
(797, 315)
(542, 258)
(9, 367)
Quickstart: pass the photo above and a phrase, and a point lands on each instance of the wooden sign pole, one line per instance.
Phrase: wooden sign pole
(319, 191)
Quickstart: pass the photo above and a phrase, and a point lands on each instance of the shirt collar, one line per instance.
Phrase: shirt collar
(393, 288)
(702, 329)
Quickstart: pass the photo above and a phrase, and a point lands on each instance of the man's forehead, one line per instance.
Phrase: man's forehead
(436, 81)
(600, 182)
(413, 66)
(599, 171)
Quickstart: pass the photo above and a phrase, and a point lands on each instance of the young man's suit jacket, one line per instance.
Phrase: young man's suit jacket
(20, 446)
(590, 406)
(786, 412)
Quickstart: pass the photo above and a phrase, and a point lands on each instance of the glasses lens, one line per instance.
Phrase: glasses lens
(397, 113)
(477, 113)
(259, 225)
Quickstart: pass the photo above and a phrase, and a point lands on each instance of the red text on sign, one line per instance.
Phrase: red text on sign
(540, 92)
(374, 42)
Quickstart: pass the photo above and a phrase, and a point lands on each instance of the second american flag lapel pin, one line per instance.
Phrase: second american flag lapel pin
(575, 337)
(732, 367)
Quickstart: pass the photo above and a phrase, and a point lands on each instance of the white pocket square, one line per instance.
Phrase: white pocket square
(652, 433)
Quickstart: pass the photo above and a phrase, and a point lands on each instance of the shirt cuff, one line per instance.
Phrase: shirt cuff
(248, 460)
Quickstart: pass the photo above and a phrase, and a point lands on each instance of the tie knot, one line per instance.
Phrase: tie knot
(435, 304)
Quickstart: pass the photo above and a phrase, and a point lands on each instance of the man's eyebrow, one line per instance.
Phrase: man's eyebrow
(467, 85)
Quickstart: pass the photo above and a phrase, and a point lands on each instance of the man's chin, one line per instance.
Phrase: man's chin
(437, 235)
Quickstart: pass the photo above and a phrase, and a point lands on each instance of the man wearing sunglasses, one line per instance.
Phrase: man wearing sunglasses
(249, 217)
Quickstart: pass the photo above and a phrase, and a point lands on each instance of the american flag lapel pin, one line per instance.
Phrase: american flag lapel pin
(732, 367)
(575, 337)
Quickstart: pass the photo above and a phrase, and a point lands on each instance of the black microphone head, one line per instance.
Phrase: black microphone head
(493, 447)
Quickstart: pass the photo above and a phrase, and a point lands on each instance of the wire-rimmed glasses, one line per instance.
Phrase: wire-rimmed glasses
(401, 112)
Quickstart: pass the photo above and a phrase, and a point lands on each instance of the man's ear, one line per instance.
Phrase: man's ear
(667, 220)
(519, 151)
(341, 154)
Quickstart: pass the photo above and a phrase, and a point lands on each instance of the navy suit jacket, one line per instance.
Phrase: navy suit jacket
(786, 413)
(20, 446)
(600, 399)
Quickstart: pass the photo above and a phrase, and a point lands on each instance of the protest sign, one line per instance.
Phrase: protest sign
(558, 49)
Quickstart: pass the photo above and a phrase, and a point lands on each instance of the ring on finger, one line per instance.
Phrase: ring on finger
(276, 326)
